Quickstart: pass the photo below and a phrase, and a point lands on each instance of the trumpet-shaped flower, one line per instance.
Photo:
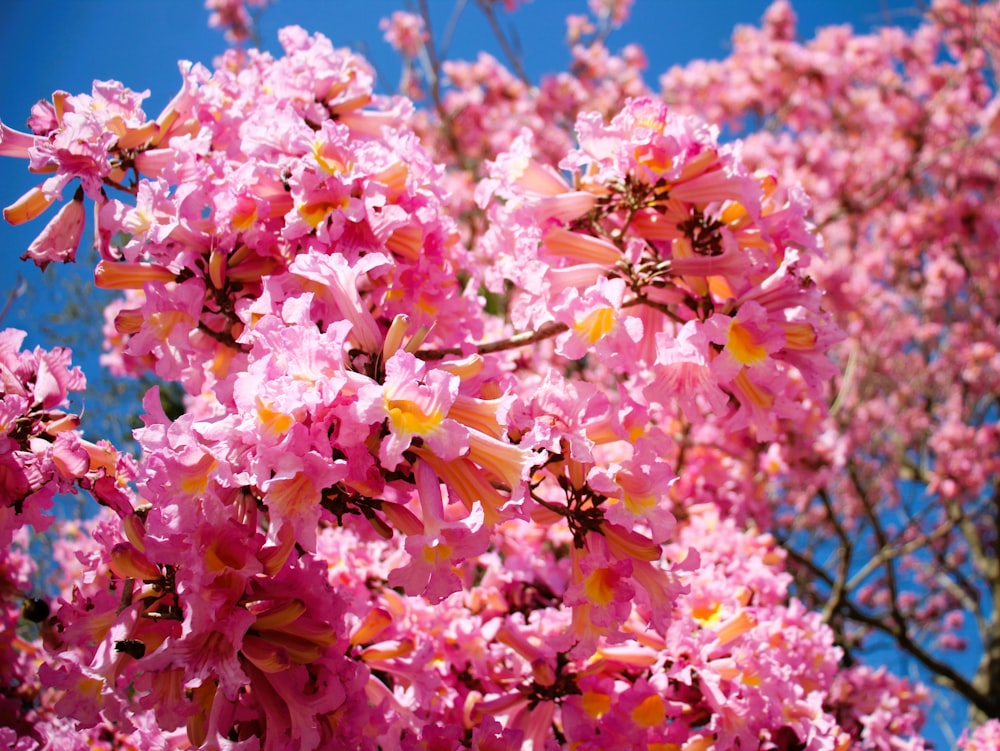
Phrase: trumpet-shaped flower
(413, 403)
(432, 570)
(60, 239)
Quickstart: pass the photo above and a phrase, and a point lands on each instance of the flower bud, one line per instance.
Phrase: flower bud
(27, 207)
(128, 563)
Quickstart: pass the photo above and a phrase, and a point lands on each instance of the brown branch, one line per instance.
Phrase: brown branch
(985, 564)
(890, 552)
(883, 543)
(840, 586)
(545, 331)
(512, 56)
(434, 64)
(19, 289)
(944, 673)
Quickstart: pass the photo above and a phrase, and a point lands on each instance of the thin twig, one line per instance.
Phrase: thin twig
(546, 331)
(511, 54)
(19, 289)
(449, 30)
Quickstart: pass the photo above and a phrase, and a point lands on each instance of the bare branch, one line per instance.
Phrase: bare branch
(19, 289)
(889, 552)
(513, 57)
(546, 331)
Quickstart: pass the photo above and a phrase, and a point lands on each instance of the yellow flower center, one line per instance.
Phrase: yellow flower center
(651, 712)
(595, 704)
(407, 417)
(273, 421)
(438, 552)
(316, 212)
(744, 347)
(596, 324)
(600, 586)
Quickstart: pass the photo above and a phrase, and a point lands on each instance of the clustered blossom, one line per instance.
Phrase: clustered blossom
(234, 17)
(983, 738)
(894, 136)
(666, 247)
(386, 518)
(16, 571)
(406, 32)
(42, 454)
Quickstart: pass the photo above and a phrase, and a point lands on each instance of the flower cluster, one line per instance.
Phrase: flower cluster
(234, 17)
(43, 457)
(985, 737)
(387, 517)
(893, 134)
(667, 248)
(42, 454)
(16, 694)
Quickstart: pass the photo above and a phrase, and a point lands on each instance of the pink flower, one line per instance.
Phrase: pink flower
(294, 491)
(232, 16)
(406, 32)
(14, 142)
(984, 738)
(685, 375)
(577, 26)
(61, 236)
(601, 591)
(414, 401)
(597, 323)
(434, 557)
(748, 339)
(170, 315)
(614, 12)
(336, 281)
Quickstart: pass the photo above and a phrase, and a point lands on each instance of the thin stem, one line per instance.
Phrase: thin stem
(433, 73)
(546, 331)
(19, 289)
(889, 552)
(840, 586)
(513, 57)
(434, 63)
(449, 30)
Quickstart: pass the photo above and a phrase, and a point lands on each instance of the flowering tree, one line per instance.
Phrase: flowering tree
(892, 526)
(494, 415)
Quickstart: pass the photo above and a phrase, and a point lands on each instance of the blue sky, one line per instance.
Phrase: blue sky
(47, 45)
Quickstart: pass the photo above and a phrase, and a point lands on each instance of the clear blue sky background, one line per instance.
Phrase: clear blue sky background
(47, 45)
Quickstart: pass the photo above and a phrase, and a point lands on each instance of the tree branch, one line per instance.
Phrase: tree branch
(546, 331)
(513, 57)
